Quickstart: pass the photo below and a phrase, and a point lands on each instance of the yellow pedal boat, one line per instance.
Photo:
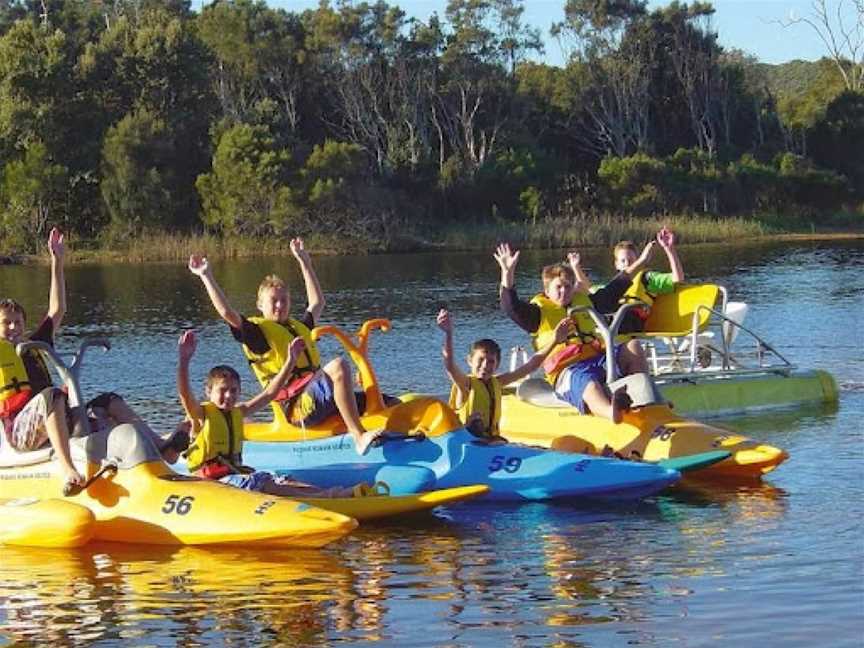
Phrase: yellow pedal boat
(377, 507)
(144, 501)
(427, 415)
(650, 431)
(33, 522)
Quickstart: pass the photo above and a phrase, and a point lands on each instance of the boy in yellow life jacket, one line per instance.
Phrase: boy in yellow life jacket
(577, 368)
(313, 392)
(32, 410)
(476, 396)
(216, 450)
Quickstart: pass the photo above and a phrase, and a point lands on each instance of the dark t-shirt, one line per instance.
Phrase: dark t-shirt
(37, 372)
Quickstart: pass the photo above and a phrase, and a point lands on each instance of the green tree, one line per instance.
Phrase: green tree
(246, 191)
(837, 139)
(137, 184)
(33, 193)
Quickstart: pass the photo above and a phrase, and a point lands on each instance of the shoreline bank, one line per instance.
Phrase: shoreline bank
(155, 248)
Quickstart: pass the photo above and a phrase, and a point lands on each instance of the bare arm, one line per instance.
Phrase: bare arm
(276, 383)
(456, 374)
(507, 259)
(583, 281)
(640, 261)
(666, 239)
(185, 351)
(57, 294)
(198, 265)
(314, 294)
(536, 360)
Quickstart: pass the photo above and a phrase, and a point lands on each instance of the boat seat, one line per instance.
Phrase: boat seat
(675, 314)
(124, 445)
(640, 388)
(11, 458)
(539, 392)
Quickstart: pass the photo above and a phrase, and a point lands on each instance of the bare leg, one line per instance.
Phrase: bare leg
(632, 358)
(343, 394)
(598, 402)
(58, 435)
(120, 412)
(291, 488)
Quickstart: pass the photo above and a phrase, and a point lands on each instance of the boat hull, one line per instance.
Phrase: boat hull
(374, 508)
(653, 433)
(511, 471)
(31, 522)
(709, 394)
(144, 501)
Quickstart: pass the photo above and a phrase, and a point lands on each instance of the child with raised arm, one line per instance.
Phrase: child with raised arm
(312, 392)
(577, 367)
(216, 451)
(647, 284)
(33, 411)
(476, 396)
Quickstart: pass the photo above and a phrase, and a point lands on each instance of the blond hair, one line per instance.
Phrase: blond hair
(273, 282)
(624, 245)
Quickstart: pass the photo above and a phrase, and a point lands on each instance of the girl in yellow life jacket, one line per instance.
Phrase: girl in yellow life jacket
(476, 396)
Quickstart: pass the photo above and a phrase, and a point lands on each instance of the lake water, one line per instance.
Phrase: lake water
(780, 563)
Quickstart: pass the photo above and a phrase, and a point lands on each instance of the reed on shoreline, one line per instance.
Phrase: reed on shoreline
(590, 231)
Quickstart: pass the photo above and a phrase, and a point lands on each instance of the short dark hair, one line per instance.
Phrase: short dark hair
(14, 306)
(220, 372)
(487, 345)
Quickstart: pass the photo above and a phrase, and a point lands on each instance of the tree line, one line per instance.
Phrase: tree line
(119, 117)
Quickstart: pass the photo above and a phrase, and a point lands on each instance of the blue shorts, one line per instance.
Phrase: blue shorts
(314, 404)
(252, 482)
(573, 380)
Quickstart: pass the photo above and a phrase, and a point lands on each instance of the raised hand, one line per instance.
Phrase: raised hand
(296, 348)
(563, 329)
(299, 250)
(186, 345)
(506, 257)
(56, 246)
(199, 265)
(444, 322)
(574, 259)
(666, 238)
(647, 252)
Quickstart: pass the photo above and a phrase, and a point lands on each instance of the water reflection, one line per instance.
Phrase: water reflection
(105, 592)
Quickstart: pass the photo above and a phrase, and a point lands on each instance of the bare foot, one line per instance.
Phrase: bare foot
(366, 440)
(176, 443)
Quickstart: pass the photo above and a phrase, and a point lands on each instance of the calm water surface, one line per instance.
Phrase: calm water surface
(781, 563)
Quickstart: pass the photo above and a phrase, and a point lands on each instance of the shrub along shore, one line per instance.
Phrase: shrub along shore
(590, 232)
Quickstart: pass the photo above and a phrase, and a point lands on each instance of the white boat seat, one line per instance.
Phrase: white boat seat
(124, 444)
(539, 392)
(11, 458)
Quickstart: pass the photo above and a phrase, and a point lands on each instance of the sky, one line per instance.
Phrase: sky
(741, 24)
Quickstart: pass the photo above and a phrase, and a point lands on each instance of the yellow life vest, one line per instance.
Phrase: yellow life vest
(265, 366)
(220, 436)
(483, 399)
(582, 343)
(15, 388)
(637, 292)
